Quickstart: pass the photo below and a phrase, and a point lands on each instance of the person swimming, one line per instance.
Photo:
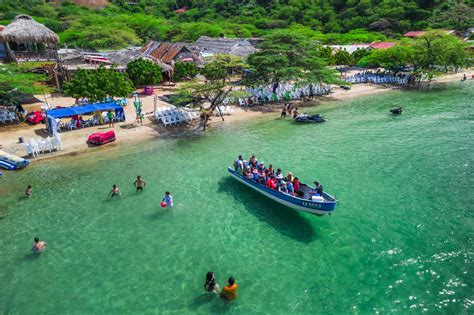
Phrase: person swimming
(115, 191)
(29, 191)
(210, 285)
(229, 292)
(168, 199)
(38, 246)
(139, 183)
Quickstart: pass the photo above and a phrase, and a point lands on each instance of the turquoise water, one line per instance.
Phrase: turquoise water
(399, 240)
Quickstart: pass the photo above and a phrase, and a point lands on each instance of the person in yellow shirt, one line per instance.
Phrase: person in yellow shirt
(229, 292)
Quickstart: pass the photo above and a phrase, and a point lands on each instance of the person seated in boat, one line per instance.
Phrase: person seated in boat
(253, 161)
(261, 166)
(273, 183)
(290, 188)
(239, 164)
(318, 189)
(255, 174)
(270, 169)
(279, 174)
(296, 185)
(289, 177)
(268, 182)
(248, 172)
(261, 178)
(282, 187)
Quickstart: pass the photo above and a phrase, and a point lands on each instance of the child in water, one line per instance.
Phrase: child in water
(168, 199)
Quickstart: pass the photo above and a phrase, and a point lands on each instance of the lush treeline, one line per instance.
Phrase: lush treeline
(329, 21)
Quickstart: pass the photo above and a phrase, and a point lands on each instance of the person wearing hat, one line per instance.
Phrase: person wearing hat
(289, 177)
(282, 187)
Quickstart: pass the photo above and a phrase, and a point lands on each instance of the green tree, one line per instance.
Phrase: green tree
(342, 57)
(215, 89)
(142, 72)
(97, 84)
(184, 70)
(285, 56)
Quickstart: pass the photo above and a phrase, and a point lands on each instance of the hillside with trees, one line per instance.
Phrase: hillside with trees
(330, 21)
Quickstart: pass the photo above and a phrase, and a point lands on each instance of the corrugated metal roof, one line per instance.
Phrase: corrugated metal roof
(382, 45)
(414, 33)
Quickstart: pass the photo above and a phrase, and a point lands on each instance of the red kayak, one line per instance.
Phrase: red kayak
(35, 118)
(100, 138)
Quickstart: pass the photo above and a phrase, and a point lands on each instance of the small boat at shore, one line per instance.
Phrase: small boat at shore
(305, 118)
(12, 162)
(303, 202)
(100, 138)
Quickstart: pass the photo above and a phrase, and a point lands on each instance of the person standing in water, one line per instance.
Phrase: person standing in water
(115, 191)
(230, 290)
(38, 246)
(168, 199)
(139, 183)
(29, 191)
(210, 285)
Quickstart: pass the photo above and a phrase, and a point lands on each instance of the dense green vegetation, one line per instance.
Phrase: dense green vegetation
(142, 72)
(98, 84)
(430, 53)
(329, 21)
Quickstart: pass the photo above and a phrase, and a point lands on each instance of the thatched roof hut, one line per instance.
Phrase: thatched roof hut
(229, 46)
(23, 30)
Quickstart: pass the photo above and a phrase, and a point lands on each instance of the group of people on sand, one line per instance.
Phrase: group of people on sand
(140, 184)
(229, 292)
(273, 179)
(289, 110)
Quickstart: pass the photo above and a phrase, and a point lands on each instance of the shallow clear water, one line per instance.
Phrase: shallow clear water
(400, 239)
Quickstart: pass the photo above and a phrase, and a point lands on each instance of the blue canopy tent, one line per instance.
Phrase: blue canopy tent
(53, 114)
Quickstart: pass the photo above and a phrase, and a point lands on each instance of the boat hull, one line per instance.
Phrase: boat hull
(299, 204)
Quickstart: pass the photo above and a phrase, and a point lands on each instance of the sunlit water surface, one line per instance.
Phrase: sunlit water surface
(400, 239)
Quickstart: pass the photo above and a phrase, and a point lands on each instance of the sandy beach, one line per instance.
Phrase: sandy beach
(74, 142)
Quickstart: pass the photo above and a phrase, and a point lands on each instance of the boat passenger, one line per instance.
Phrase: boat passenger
(210, 285)
(29, 191)
(282, 187)
(296, 185)
(230, 290)
(268, 182)
(239, 164)
(290, 188)
(271, 171)
(279, 174)
(274, 183)
(253, 161)
(115, 191)
(318, 189)
(248, 172)
(255, 174)
(139, 183)
(290, 177)
(38, 246)
(168, 199)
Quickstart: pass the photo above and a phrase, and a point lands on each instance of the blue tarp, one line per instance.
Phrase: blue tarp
(53, 114)
(81, 110)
